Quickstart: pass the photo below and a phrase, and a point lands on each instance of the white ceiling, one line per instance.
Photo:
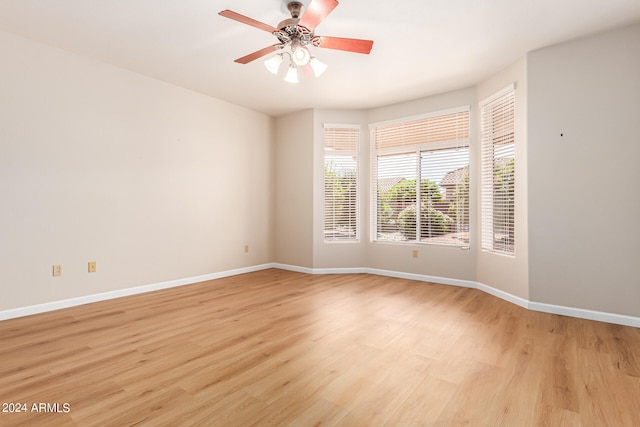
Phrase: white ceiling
(421, 47)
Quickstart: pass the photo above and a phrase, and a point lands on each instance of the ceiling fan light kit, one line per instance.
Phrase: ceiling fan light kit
(295, 35)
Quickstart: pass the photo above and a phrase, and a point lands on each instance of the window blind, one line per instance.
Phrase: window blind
(497, 172)
(341, 195)
(431, 129)
(421, 170)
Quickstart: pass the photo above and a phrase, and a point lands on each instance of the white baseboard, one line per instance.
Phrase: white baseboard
(581, 313)
(502, 295)
(307, 270)
(618, 319)
(72, 302)
(599, 316)
(295, 268)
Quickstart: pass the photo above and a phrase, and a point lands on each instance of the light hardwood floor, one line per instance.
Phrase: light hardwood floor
(283, 348)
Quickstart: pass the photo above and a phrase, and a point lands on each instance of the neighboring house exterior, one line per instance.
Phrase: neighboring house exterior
(451, 180)
(386, 184)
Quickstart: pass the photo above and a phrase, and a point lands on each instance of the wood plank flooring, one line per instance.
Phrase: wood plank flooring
(283, 348)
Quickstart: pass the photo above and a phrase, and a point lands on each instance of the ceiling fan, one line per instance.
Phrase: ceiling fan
(295, 34)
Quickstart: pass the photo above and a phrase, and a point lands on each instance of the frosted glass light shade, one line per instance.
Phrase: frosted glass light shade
(317, 66)
(273, 63)
(301, 56)
(292, 75)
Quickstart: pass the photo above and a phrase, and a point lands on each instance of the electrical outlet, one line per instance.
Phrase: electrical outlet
(57, 270)
(414, 253)
(246, 249)
(92, 267)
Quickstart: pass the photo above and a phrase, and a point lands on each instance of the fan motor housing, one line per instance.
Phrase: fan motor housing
(295, 7)
(289, 30)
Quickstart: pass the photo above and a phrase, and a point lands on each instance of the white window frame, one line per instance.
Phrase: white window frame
(416, 149)
(500, 103)
(355, 154)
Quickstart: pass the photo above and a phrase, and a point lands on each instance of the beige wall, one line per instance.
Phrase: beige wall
(152, 181)
(584, 202)
(509, 273)
(294, 190)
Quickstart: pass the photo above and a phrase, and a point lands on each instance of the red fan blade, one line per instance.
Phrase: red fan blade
(257, 54)
(316, 12)
(308, 71)
(351, 45)
(246, 20)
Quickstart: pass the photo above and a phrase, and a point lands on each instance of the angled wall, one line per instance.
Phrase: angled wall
(510, 273)
(584, 146)
(293, 176)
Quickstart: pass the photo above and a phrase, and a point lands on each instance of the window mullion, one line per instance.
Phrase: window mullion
(418, 195)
